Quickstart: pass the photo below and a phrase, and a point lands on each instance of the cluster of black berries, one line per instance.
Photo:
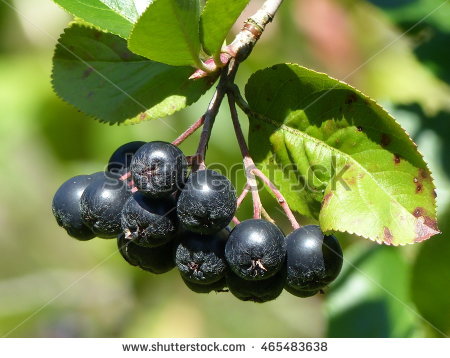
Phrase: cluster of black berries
(163, 217)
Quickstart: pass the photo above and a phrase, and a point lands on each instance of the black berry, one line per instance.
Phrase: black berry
(256, 291)
(158, 169)
(66, 206)
(218, 286)
(101, 206)
(157, 260)
(149, 222)
(256, 249)
(313, 259)
(300, 293)
(207, 203)
(200, 258)
(120, 160)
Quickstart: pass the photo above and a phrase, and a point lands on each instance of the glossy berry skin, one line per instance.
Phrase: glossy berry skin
(158, 169)
(101, 206)
(149, 222)
(257, 291)
(120, 160)
(256, 249)
(200, 258)
(156, 260)
(218, 286)
(207, 203)
(313, 259)
(300, 293)
(67, 209)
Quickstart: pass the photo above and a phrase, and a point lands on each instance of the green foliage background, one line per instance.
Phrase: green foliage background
(54, 286)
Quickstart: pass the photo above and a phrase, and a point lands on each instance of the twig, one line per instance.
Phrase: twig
(189, 131)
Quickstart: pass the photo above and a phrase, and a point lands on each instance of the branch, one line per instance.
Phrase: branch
(245, 40)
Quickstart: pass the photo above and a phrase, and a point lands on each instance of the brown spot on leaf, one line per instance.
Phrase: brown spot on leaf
(143, 116)
(397, 159)
(351, 181)
(351, 98)
(419, 188)
(326, 199)
(434, 193)
(423, 173)
(359, 129)
(418, 212)
(385, 140)
(257, 127)
(387, 236)
(87, 73)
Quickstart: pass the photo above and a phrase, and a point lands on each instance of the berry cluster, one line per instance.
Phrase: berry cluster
(163, 216)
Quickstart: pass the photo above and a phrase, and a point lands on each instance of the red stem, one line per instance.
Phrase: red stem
(189, 131)
(251, 170)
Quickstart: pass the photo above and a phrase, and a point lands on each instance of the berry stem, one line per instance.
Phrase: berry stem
(248, 161)
(243, 195)
(196, 125)
(252, 171)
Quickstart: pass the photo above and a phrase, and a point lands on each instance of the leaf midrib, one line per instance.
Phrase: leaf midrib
(294, 131)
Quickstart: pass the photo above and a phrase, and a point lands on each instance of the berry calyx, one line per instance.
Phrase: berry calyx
(256, 249)
(207, 203)
(200, 258)
(149, 222)
(158, 169)
(313, 259)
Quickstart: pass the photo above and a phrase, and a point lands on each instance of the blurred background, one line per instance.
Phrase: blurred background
(54, 286)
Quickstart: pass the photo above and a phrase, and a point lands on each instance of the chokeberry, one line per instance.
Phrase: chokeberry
(207, 203)
(158, 169)
(200, 258)
(300, 293)
(101, 205)
(120, 160)
(313, 259)
(157, 260)
(256, 291)
(218, 286)
(66, 206)
(256, 249)
(149, 222)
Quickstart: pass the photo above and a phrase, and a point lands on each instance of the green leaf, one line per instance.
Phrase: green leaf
(412, 13)
(216, 20)
(115, 16)
(338, 156)
(431, 275)
(370, 298)
(168, 32)
(96, 73)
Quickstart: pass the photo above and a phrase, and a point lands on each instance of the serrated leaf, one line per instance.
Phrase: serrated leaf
(370, 297)
(430, 277)
(338, 156)
(216, 20)
(96, 73)
(168, 32)
(115, 16)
